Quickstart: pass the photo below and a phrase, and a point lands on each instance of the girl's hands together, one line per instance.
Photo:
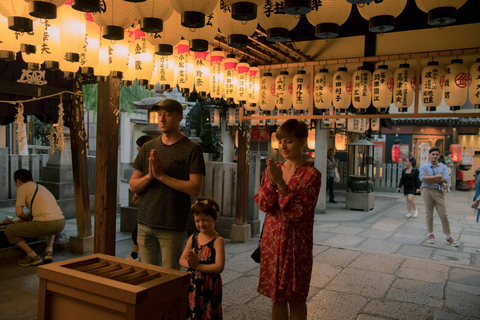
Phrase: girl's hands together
(193, 261)
(274, 173)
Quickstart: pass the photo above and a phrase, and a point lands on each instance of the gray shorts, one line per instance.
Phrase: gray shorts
(17, 232)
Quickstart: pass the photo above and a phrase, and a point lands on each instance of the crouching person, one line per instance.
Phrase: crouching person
(44, 218)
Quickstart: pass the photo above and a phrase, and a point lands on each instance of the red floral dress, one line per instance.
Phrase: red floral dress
(287, 240)
(204, 299)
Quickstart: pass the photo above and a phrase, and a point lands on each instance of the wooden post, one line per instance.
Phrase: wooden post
(79, 163)
(106, 166)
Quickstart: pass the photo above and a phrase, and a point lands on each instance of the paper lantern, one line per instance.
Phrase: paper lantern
(301, 91)
(433, 77)
(200, 37)
(362, 85)
(328, 122)
(152, 14)
(17, 14)
(33, 59)
(230, 78)
(143, 57)
(236, 31)
(51, 51)
(69, 68)
(456, 151)
(283, 91)
(102, 70)
(201, 71)
(72, 24)
(382, 86)
(114, 17)
(165, 40)
(297, 7)
(214, 117)
(193, 11)
(327, 17)
(272, 18)
(255, 112)
(152, 117)
(91, 45)
(274, 140)
(8, 46)
(322, 92)
(184, 63)
(311, 139)
(267, 92)
(340, 142)
(86, 5)
(216, 73)
(395, 153)
(440, 12)
(381, 16)
(118, 57)
(44, 9)
(129, 74)
(253, 85)
(230, 117)
(282, 116)
(374, 124)
(456, 84)
(154, 78)
(242, 81)
(167, 72)
(243, 10)
(340, 123)
(474, 84)
(404, 87)
(359, 2)
(342, 89)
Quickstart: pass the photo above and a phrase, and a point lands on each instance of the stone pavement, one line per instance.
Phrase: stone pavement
(367, 266)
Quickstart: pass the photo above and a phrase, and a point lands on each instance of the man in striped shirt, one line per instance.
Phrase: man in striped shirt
(168, 170)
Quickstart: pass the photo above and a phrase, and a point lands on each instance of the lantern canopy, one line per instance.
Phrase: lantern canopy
(18, 15)
(216, 73)
(193, 11)
(69, 68)
(342, 89)
(381, 16)
(382, 86)
(154, 78)
(474, 86)
(362, 94)
(328, 16)
(8, 46)
(298, 7)
(404, 87)
(118, 57)
(301, 91)
(456, 84)
(50, 47)
(440, 12)
(129, 74)
(243, 10)
(253, 89)
(167, 72)
(89, 56)
(201, 70)
(230, 78)
(200, 37)
(114, 17)
(236, 31)
(267, 92)
(72, 24)
(86, 5)
(283, 91)
(432, 85)
(456, 151)
(273, 19)
(243, 69)
(165, 40)
(44, 9)
(395, 153)
(322, 93)
(152, 14)
(143, 57)
(184, 64)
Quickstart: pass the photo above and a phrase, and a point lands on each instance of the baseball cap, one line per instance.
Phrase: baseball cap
(168, 105)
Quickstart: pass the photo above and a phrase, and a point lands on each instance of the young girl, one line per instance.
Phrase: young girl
(204, 257)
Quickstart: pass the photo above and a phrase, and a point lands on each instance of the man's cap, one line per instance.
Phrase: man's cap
(168, 105)
(477, 168)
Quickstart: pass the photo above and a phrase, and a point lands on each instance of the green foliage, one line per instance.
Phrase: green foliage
(37, 132)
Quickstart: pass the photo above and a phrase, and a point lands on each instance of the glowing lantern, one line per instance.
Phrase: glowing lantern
(129, 74)
(342, 89)
(237, 31)
(184, 63)
(381, 16)
(340, 122)
(456, 84)
(274, 140)
(50, 46)
(143, 58)
(28, 41)
(102, 70)
(361, 94)
(214, 117)
(33, 59)
(283, 91)
(230, 78)
(200, 37)
(253, 85)
(114, 17)
(69, 68)
(382, 88)
(340, 142)
(328, 122)
(242, 81)
(267, 92)
(216, 73)
(272, 18)
(86, 5)
(474, 87)
(254, 111)
(8, 46)
(91, 45)
(404, 87)
(154, 78)
(374, 124)
(193, 11)
(432, 82)
(243, 10)
(167, 72)
(201, 68)
(327, 17)
(456, 151)
(301, 91)
(17, 14)
(165, 40)
(440, 12)
(311, 139)
(118, 57)
(396, 153)
(230, 117)
(152, 14)
(72, 37)
(322, 93)
(45, 9)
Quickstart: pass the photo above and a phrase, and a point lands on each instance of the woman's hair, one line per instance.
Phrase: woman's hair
(441, 159)
(293, 127)
(207, 206)
(413, 161)
(140, 141)
(23, 175)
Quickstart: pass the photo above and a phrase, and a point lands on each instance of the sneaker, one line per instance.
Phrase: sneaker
(48, 257)
(129, 257)
(409, 215)
(29, 261)
(452, 242)
(431, 239)
(415, 213)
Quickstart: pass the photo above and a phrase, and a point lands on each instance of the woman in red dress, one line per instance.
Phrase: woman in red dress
(288, 195)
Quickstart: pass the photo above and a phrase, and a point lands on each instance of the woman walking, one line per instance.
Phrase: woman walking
(411, 186)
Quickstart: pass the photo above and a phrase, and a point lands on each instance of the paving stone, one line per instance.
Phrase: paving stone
(461, 302)
(396, 310)
(421, 274)
(416, 226)
(242, 313)
(324, 227)
(384, 226)
(452, 257)
(471, 240)
(369, 317)
(415, 251)
(470, 289)
(341, 240)
(466, 276)
(337, 257)
(449, 315)
(241, 262)
(394, 221)
(423, 264)
(380, 245)
(229, 276)
(362, 282)
(407, 238)
(317, 249)
(377, 262)
(334, 305)
(415, 291)
(374, 234)
(351, 231)
(28, 283)
(262, 303)
(240, 290)
(322, 274)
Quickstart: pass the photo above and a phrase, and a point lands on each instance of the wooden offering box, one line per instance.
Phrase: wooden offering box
(104, 287)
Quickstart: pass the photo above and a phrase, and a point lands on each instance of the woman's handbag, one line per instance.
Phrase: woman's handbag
(336, 178)
(256, 254)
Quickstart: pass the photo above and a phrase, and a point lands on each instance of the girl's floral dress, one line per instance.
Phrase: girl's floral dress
(205, 289)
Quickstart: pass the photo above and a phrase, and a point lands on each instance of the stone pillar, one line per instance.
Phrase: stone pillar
(228, 149)
(13, 167)
(34, 164)
(253, 186)
(23, 148)
(4, 176)
(321, 148)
